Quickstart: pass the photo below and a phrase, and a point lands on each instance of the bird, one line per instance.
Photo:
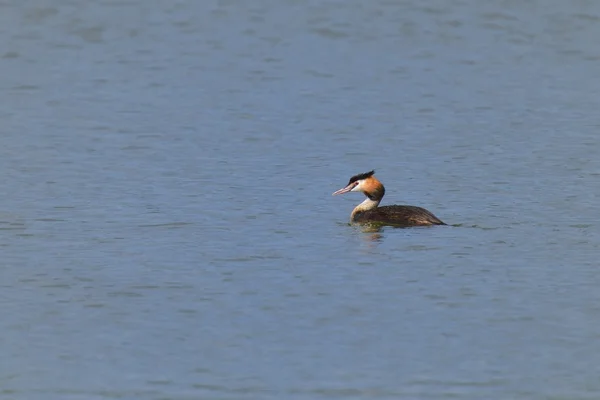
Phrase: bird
(369, 212)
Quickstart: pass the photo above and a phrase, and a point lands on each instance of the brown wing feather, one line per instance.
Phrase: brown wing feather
(399, 215)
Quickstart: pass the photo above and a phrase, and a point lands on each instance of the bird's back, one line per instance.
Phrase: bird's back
(398, 216)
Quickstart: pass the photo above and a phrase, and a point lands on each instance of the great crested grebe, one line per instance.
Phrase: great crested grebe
(369, 212)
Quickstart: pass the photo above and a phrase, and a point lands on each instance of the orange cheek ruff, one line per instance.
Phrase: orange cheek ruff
(371, 185)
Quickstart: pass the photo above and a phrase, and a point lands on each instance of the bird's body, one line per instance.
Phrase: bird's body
(399, 215)
(369, 211)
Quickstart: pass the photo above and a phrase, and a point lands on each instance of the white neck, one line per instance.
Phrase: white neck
(368, 204)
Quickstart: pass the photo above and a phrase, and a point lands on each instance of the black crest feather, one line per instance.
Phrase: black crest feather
(361, 176)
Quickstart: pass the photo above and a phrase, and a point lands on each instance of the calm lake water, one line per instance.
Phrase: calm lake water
(167, 229)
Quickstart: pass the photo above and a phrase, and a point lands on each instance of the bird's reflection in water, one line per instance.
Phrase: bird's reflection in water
(372, 233)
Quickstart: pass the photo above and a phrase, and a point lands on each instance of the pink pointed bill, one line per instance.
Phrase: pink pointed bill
(344, 190)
